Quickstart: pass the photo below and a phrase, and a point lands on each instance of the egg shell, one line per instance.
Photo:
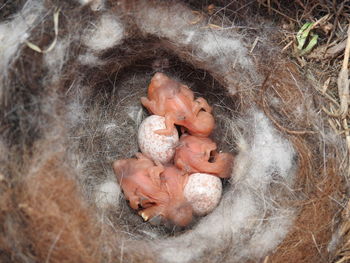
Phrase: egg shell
(203, 192)
(157, 147)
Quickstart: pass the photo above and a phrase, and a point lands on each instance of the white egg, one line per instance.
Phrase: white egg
(203, 191)
(157, 147)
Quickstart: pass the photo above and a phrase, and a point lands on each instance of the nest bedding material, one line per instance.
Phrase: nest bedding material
(68, 113)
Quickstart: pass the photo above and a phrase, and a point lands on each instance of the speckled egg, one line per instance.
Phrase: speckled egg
(157, 147)
(203, 191)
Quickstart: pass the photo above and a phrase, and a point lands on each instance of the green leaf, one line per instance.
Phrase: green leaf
(311, 44)
(303, 33)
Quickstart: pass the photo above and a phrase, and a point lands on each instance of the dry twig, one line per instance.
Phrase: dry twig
(277, 11)
(343, 81)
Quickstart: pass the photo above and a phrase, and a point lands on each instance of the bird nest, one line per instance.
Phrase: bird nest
(72, 76)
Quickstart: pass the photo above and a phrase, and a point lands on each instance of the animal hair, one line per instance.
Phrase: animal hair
(67, 114)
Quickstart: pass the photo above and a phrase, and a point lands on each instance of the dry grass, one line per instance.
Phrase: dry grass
(328, 61)
(316, 186)
(326, 65)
